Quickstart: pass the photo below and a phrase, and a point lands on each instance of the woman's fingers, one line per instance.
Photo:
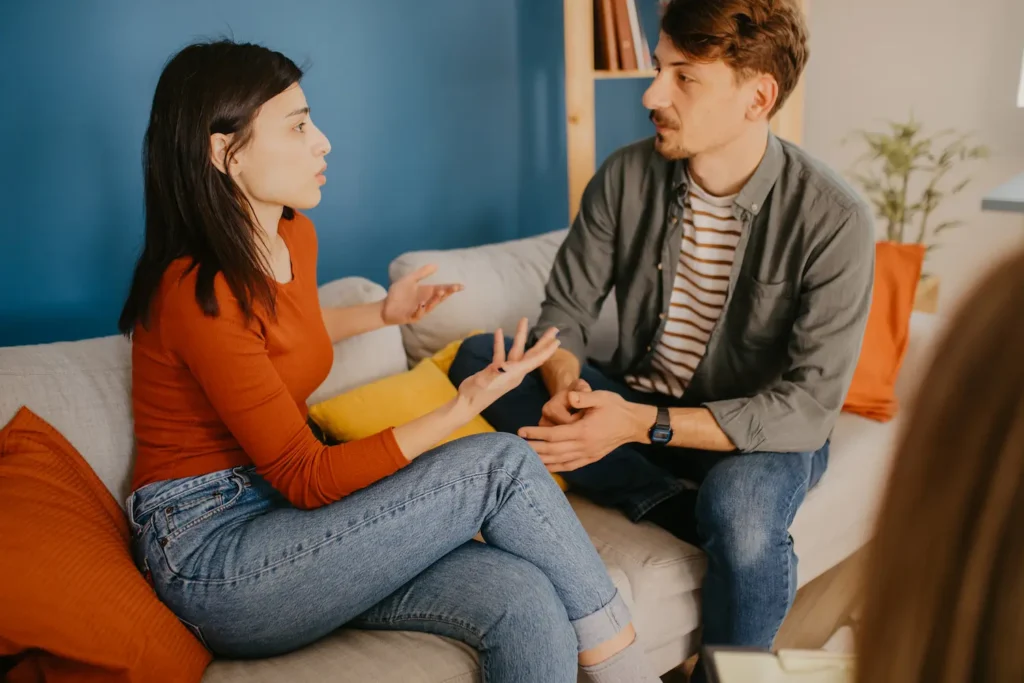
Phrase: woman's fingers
(538, 355)
(549, 335)
(498, 358)
(420, 273)
(437, 296)
(519, 342)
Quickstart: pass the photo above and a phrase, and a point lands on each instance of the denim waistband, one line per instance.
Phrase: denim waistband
(144, 500)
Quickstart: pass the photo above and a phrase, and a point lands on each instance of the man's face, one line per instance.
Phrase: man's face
(701, 106)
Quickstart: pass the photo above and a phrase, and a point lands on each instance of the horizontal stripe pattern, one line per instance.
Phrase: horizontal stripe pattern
(710, 237)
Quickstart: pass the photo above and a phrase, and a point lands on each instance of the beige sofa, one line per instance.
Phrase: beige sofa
(82, 388)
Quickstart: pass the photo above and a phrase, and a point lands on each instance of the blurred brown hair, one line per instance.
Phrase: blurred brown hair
(751, 36)
(944, 583)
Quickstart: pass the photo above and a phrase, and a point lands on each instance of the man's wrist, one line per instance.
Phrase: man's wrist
(562, 382)
(643, 418)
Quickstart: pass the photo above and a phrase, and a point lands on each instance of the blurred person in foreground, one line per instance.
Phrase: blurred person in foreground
(944, 583)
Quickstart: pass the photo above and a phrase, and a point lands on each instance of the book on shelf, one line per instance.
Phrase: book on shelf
(619, 39)
(607, 55)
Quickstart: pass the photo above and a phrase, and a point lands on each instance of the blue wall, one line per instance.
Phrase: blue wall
(446, 117)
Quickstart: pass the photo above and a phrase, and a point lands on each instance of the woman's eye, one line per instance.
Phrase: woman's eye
(301, 127)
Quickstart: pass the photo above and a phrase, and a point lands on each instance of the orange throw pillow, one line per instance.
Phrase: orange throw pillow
(73, 606)
(873, 389)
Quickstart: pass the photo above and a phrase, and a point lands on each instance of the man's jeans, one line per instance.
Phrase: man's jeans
(745, 503)
(253, 576)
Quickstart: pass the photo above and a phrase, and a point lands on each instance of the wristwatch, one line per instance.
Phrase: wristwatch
(661, 432)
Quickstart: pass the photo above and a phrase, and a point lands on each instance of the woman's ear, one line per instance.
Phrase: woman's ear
(219, 144)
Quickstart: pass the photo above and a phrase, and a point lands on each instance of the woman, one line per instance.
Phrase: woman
(945, 577)
(258, 536)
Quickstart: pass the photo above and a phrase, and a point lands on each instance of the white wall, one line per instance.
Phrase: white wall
(955, 64)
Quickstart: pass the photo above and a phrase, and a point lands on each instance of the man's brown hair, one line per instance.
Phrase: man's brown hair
(751, 36)
(944, 581)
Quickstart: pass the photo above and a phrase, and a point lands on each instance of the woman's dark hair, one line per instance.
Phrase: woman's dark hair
(192, 209)
(944, 581)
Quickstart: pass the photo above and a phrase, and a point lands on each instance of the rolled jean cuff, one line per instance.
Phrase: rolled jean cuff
(602, 625)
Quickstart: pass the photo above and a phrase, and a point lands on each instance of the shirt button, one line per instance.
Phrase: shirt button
(661, 316)
(648, 349)
(672, 220)
(659, 266)
(753, 207)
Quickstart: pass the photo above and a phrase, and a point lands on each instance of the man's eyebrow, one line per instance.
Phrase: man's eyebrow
(678, 62)
(303, 111)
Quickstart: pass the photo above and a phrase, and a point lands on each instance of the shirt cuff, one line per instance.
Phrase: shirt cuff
(396, 460)
(740, 422)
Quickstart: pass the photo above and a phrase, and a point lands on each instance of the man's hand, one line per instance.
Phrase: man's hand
(606, 422)
(558, 411)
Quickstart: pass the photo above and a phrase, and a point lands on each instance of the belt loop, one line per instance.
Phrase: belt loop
(129, 509)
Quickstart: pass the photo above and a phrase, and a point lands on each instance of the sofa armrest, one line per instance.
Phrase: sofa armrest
(504, 282)
(365, 358)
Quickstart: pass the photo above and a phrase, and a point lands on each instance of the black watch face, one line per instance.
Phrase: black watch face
(661, 434)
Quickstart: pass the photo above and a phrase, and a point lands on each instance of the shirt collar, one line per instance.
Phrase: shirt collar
(752, 197)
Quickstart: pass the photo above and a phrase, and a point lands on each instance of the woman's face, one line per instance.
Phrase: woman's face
(283, 162)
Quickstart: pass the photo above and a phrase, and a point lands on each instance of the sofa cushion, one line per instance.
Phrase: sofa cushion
(504, 282)
(350, 656)
(82, 389)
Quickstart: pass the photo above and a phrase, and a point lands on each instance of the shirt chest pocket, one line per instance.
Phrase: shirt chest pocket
(762, 313)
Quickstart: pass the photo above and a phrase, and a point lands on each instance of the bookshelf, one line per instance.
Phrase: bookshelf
(580, 77)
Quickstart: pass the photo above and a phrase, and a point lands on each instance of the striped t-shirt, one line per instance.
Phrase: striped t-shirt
(710, 236)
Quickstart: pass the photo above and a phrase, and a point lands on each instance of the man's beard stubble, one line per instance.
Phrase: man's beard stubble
(663, 143)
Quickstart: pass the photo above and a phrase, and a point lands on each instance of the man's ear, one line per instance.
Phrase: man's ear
(219, 144)
(766, 94)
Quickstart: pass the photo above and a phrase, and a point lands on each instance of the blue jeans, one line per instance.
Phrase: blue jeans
(743, 507)
(253, 576)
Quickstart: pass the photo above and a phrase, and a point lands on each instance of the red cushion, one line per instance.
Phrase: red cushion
(74, 606)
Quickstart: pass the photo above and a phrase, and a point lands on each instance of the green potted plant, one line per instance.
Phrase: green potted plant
(906, 174)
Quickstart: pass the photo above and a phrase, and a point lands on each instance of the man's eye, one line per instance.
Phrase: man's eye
(301, 127)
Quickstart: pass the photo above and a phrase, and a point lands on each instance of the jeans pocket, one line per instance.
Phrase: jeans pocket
(183, 522)
(190, 509)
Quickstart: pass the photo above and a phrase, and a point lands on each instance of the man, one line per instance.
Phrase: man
(743, 272)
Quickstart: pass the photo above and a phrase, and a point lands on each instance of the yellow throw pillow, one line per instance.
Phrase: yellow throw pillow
(389, 402)
(397, 400)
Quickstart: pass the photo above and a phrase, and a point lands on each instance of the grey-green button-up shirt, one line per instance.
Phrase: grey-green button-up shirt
(781, 356)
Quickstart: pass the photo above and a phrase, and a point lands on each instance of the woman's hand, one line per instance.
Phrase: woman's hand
(505, 374)
(408, 301)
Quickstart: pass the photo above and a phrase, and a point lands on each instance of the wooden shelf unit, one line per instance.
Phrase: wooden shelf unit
(580, 77)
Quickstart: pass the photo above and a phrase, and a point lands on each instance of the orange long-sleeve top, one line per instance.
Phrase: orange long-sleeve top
(210, 393)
